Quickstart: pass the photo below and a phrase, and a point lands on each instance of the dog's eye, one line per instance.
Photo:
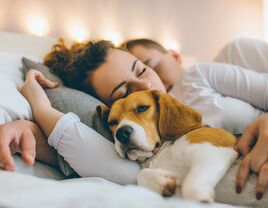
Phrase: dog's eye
(113, 123)
(142, 108)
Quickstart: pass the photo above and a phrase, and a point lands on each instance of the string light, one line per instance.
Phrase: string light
(79, 32)
(115, 37)
(37, 25)
(172, 44)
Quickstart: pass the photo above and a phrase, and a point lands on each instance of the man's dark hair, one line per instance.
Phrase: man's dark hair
(73, 64)
(147, 43)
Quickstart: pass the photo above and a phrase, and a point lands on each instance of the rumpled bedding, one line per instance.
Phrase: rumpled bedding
(19, 190)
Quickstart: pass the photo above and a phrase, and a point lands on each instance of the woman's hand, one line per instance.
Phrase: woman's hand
(17, 136)
(253, 145)
(44, 114)
(32, 89)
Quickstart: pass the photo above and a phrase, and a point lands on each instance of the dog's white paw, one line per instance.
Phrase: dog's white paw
(201, 194)
(161, 181)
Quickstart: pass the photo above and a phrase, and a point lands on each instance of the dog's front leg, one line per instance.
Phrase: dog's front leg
(159, 180)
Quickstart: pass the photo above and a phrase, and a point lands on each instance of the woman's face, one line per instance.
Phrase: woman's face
(121, 75)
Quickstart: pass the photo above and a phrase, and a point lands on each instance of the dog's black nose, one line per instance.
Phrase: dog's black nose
(123, 134)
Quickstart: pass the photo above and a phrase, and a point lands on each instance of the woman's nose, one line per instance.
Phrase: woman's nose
(140, 85)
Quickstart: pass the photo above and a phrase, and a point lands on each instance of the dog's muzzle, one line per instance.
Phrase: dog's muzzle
(123, 134)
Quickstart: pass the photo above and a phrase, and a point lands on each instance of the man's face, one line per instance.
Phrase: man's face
(166, 65)
(121, 75)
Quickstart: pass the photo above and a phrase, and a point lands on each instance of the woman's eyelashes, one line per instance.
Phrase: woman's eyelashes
(128, 88)
(126, 94)
(142, 71)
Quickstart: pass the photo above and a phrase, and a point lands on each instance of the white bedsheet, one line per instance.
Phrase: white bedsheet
(18, 190)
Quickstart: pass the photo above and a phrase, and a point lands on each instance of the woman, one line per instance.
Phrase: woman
(109, 74)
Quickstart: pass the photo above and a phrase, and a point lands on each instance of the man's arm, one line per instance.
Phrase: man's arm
(44, 152)
(237, 82)
(25, 137)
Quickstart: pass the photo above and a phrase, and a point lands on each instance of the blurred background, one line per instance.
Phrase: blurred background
(198, 28)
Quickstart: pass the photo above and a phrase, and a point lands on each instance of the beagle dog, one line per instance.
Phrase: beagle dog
(171, 144)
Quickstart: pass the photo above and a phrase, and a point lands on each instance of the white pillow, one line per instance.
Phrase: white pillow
(13, 105)
(10, 64)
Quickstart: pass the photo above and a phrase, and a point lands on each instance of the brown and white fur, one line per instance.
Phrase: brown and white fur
(168, 139)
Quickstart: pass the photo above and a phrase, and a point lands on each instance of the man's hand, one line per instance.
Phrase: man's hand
(253, 145)
(17, 136)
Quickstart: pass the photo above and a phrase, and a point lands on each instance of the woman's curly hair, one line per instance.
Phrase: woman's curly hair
(73, 64)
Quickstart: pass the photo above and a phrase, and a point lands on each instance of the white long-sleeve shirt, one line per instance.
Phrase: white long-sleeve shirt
(227, 96)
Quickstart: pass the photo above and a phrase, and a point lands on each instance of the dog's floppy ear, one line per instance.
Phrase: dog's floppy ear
(103, 113)
(175, 118)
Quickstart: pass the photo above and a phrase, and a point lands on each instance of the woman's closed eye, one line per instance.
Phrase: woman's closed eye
(128, 90)
(142, 72)
(126, 94)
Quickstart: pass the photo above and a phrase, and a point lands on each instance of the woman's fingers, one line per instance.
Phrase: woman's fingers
(258, 156)
(262, 181)
(41, 79)
(247, 139)
(242, 174)
(255, 137)
(44, 82)
(27, 147)
(259, 153)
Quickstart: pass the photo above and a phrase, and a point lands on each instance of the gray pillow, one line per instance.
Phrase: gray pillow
(67, 100)
(29, 64)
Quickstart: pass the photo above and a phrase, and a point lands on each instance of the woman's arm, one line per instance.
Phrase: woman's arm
(89, 153)
(43, 113)
(86, 151)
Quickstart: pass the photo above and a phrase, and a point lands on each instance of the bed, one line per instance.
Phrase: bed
(42, 186)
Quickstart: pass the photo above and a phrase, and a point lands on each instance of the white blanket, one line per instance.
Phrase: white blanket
(19, 190)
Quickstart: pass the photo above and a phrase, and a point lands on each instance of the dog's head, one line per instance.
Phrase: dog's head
(140, 121)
